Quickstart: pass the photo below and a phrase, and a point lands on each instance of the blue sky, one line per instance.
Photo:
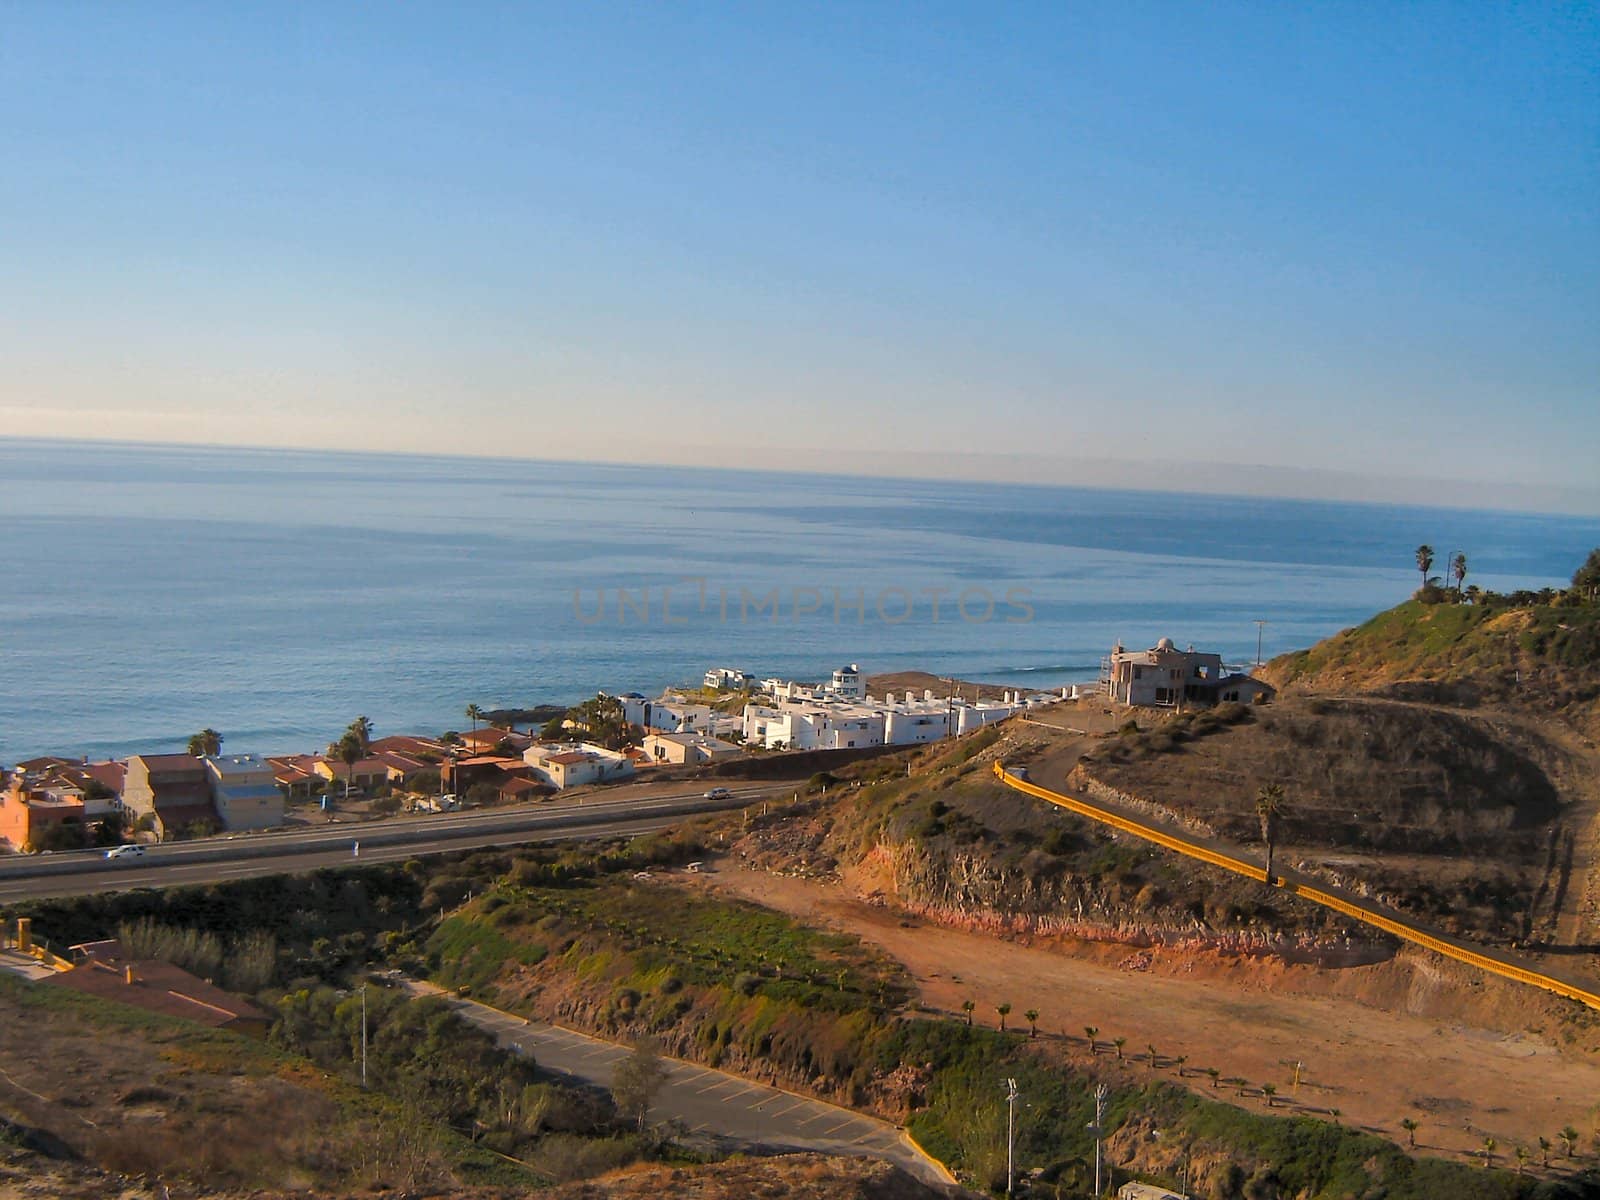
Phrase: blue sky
(1118, 243)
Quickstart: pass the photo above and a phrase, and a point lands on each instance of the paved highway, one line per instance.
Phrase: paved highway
(213, 860)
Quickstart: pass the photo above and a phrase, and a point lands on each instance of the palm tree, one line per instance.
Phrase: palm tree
(1411, 1127)
(1489, 1145)
(1180, 1060)
(1151, 1061)
(1032, 1017)
(361, 727)
(968, 1006)
(1569, 1135)
(205, 744)
(1005, 1011)
(1458, 568)
(1269, 806)
(1544, 1151)
(1424, 561)
(1214, 1075)
(1119, 1043)
(348, 751)
(1522, 1159)
(474, 714)
(1269, 1090)
(1093, 1031)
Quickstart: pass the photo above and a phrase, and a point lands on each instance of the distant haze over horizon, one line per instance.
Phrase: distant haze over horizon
(1221, 479)
(1354, 248)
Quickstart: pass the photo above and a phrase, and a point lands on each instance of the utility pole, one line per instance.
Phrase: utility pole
(363, 1037)
(1260, 625)
(1101, 1091)
(1011, 1128)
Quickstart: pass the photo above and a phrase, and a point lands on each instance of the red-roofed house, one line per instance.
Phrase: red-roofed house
(517, 790)
(28, 813)
(296, 775)
(411, 745)
(363, 774)
(402, 768)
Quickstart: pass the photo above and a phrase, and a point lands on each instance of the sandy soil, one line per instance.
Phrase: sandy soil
(1377, 1067)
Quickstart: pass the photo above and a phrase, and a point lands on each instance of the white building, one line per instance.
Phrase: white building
(813, 725)
(911, 720)
(570, 764)
(726, 679)
(847, 683)
(244, 790)
(672, 714)
(687, 748)
(634, 707)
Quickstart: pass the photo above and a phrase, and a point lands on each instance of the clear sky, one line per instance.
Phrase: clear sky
(1358, 239)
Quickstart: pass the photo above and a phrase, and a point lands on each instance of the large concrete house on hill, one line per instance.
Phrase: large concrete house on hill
(1166, 677)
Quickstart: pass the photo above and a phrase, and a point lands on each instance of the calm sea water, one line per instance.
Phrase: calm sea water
(275, 596)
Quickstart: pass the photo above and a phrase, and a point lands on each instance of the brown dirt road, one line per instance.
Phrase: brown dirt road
(1252, 1019)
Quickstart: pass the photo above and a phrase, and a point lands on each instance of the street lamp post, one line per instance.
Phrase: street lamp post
(363, 1036)
(1101, 1091)
(1011, 1127)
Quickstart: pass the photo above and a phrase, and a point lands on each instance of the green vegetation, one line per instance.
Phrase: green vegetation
(452, 1075)
(1544, 653)
(206, 743)
(245, 1115)
(722, 982)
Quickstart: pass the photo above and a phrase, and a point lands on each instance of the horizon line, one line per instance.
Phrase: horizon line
(1559, 501)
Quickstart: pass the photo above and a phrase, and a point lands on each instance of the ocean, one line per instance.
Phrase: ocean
(276, 595)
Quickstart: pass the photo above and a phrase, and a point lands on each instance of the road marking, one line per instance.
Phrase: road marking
(841, 1125)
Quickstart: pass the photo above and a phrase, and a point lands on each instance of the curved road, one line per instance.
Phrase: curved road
(725, 1109)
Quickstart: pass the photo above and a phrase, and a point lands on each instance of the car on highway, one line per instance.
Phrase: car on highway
(718, 793)
(124, 853)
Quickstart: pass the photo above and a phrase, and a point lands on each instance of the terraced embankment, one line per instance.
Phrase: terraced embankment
(1495, 962)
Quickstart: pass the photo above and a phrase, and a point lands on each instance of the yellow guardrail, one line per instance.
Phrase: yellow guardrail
(1400, 929)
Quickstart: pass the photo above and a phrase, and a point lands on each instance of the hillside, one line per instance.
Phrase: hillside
(1542, 658)
(1467, 822)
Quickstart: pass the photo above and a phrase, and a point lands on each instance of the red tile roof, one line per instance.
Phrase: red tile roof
(109, 774)
(406, 743)
(400, 762)
(45, 761)
(489, 760)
